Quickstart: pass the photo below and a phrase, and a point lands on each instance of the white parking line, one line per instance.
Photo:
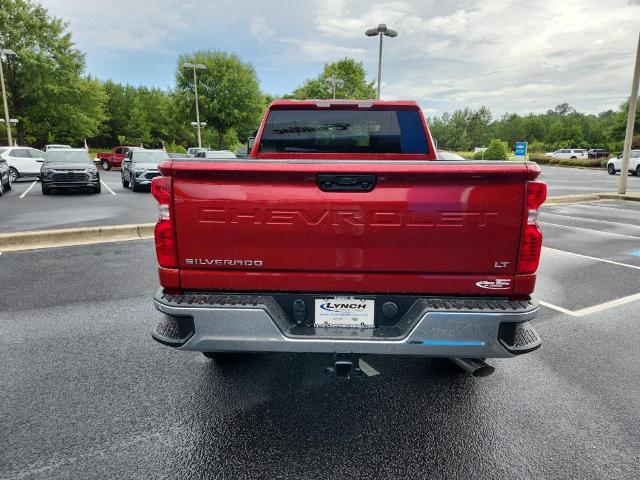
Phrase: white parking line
(596, 308)
(108, 188)
(590, 230)
(28, 189)
(544, 214)
(594, 258)
(602, 204)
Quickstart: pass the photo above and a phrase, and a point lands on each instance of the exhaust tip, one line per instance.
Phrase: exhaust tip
(474, 366)
(484, 371)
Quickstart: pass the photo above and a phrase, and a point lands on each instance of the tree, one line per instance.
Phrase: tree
(228, 89)
(497, 150)
(353, 75)
(46, 90)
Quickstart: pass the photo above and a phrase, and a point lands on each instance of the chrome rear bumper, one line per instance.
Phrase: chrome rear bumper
(437, 327)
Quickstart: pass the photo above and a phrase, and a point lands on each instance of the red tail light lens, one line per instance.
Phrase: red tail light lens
(536, 195)
(531, 244)
(164, 232)
(161, 189)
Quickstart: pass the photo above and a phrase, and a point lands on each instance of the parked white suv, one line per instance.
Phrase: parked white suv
(568, 153)
(23, 161)
(615, 164)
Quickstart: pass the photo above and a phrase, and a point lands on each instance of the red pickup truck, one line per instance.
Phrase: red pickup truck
(342, 233)
(114, 158)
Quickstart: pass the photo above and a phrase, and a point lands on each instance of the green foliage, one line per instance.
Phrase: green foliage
(561, 127)
(587, 162)
(463, 130)
(45, 87)
(228, 90)
(173, 148)
(353, 75)
(497, 150)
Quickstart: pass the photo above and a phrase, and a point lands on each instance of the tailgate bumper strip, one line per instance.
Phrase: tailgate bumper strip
(458, 327)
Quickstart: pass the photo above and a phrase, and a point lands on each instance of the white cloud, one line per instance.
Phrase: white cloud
(123, 24)
(259, 29)
(512, 55)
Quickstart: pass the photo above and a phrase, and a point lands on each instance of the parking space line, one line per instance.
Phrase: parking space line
(602, 204)
(544, 214)
(594, 258)
(108, 188)
(28, 189)
(559, 309)
(595, 308)
(590, 230)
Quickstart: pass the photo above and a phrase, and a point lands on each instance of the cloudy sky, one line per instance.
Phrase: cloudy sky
(511, 55)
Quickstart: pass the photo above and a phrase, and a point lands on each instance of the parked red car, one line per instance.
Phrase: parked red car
(114, 158)
(343, 233)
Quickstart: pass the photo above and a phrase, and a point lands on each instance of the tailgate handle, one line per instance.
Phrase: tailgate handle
(346, 183)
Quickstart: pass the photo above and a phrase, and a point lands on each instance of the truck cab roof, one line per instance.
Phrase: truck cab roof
(339, 103)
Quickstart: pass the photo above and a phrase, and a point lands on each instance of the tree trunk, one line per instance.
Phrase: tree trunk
(220, 139)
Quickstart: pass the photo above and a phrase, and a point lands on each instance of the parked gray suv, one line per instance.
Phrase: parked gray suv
(139, 167)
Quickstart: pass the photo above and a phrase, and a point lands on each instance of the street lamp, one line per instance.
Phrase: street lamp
(196, 66)
(381, 31)
(335, 82)
(4, 53)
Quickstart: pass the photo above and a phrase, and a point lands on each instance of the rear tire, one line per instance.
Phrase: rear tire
(13, 174)
(611, 169)
(105, 166)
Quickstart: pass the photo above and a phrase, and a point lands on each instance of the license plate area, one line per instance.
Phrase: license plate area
(344, 312)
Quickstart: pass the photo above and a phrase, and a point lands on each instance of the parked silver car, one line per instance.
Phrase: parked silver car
(139, 167)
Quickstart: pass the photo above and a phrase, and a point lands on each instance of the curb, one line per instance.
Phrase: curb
(591, 197)
(634, 197)
(572, 199)
(13, 242)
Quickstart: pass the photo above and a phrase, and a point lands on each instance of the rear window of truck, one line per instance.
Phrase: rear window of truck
(344, 131)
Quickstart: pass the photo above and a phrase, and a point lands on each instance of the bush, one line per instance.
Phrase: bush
(590, 162)
(497, 150)
(173, 148)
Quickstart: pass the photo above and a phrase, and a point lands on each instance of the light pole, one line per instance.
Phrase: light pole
(381, 31)
(631, 117)
(335, 82)
(4, 53)
(196, 66)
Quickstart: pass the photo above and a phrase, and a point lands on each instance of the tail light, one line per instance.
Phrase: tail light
(531, 243)
(165, 231)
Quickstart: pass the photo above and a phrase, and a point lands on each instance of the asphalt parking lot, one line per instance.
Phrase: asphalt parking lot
(86, 392)
(573, 181)
(25, 208)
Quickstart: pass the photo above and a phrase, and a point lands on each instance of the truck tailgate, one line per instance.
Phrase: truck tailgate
(425, 227)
